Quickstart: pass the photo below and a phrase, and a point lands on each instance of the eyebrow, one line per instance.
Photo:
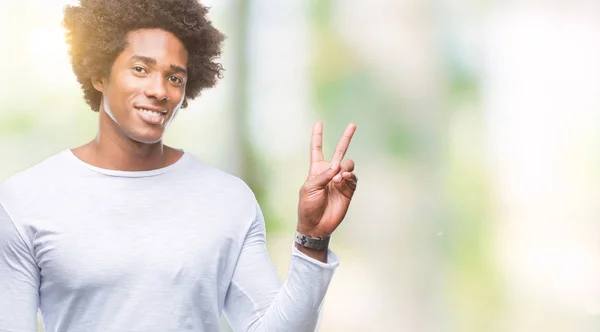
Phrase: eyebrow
(152, 61)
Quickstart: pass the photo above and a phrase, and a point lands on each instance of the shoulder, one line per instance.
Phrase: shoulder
(216, 180)
(30, 190)
(34, 177)
(227, 195)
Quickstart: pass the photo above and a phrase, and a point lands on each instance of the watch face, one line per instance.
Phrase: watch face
(303, 240)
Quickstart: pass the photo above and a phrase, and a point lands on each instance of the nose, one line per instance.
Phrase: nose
(156, 89)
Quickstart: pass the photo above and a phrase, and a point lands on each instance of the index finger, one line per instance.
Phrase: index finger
(342, 147)
(316, 143)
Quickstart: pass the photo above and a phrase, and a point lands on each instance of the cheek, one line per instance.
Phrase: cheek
(175, 111)
(178, 106)
(111, 93)
(138, 94)
(124, 88)
(181, 97)
(178, 96)
(121, 100)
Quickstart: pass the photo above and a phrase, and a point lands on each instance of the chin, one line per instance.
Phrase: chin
(147, 138)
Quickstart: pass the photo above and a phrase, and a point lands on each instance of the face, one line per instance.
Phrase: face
(146, 86)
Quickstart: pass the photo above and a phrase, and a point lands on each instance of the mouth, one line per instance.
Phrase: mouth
(152, 116)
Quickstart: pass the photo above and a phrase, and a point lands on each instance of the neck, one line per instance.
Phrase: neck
(113, 149)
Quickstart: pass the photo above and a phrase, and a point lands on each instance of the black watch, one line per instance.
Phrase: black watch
(318, 243)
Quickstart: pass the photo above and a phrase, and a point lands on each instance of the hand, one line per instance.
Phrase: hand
(326, 194)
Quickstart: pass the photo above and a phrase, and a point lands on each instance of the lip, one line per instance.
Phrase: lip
(153, 120)
(151, 108)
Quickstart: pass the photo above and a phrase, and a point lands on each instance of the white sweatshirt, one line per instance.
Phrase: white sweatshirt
(165, 250)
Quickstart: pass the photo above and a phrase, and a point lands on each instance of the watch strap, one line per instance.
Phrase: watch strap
(318, 243)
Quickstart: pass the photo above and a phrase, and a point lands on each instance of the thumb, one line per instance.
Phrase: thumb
(321, 180)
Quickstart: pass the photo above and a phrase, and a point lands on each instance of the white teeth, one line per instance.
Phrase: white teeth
(151, 113)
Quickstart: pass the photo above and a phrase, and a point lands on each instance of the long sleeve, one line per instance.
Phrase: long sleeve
(257, 301)
(19, 280)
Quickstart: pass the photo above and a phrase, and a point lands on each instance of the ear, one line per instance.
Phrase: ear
(98, 84)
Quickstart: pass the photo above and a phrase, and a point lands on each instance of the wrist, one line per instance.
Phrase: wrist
(312, 242)
(311, 232)
(318, 254)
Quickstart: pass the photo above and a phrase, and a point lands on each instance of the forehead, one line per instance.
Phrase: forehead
(159, 44)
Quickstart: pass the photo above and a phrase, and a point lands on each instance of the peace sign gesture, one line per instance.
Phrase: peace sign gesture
(326, 194)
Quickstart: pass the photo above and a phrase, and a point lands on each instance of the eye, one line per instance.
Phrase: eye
(139, 69)
(176, 80)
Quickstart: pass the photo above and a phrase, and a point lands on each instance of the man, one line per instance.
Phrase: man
(127, 234)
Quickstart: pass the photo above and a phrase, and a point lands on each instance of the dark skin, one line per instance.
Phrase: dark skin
(327, 191)
(150, 75)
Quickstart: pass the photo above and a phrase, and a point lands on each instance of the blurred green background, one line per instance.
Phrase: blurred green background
(477, 146)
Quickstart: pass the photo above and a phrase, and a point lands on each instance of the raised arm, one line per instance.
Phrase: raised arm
(256, 301)
(328, 190)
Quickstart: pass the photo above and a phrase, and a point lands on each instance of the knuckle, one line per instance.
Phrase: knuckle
(305, 188)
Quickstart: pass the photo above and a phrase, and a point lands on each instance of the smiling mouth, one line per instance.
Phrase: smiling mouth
(153, 117)
(152, 113)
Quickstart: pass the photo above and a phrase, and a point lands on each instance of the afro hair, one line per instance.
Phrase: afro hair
(97, 33)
